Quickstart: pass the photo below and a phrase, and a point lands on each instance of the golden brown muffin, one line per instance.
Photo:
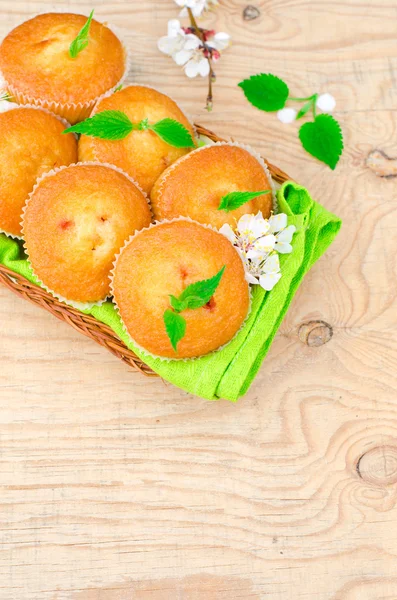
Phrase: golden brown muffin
(142, 154)
(74, 224)
(165, 259)
(194, 185)
(38, 69)
(31, 143)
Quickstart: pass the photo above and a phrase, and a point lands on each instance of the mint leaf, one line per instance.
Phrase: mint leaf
(175, 326)
(115, 125)
(107, 125)
(189, 302)
(265, 91)
(172, 132)
(194, 296)
(323, 139)
(143, 125)
(236, 199)
(176, 304)
(199, 293)
(305, 108)
(81, 40)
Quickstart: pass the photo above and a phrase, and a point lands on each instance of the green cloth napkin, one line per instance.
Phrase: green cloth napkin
(229, 372)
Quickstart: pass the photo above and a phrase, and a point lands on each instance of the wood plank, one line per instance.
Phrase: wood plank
(117, 487)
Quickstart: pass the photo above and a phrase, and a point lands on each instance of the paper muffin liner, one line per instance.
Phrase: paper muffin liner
(72, 111)
(144, 351)
(64, 121)
(78, 305)
(249, 149)
(11, 235)
(59, 118)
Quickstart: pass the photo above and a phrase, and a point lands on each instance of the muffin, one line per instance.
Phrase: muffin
(194, 185)
(165, 259)
(37, 67)
(142, 154)
(31, 143)
(75, 222)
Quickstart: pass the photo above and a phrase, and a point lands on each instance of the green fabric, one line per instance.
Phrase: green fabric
(229, 372)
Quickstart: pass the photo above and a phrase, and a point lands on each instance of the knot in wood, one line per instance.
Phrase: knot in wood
(250, 13)
(381, 164)
(315, 333)
(379, 466)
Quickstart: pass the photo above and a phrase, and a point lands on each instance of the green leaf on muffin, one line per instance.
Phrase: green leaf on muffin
(115, 125)
(236, 199)
(172, 132)
(196, 295)
(175, 326)
(81, 40)
(107, 125)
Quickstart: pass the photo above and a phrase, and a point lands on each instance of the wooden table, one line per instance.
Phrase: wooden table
(118, 487)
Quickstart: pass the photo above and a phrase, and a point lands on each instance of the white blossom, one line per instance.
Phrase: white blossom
(259, 241)
(278, 222)
(178, 44)
(220, 41)
(283, 240)
(188, 50)
(287, 115)
(270, 272)
(197, 6)
(326, 103)
(197, 65)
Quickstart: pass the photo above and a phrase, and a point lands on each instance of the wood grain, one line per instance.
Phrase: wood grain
(116, 487)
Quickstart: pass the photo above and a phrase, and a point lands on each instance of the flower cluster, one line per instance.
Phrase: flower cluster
(325, 102)
(191, 52)
(194, 48)
(197, 6)
(259, 241)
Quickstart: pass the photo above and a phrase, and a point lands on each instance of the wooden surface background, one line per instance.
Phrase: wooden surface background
(118, 487)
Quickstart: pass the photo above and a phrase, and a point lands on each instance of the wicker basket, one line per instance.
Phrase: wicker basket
(87, 324)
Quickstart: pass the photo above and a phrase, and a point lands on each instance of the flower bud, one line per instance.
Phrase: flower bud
(287, 115)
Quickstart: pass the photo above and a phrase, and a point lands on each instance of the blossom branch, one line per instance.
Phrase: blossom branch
(211, 75)
(194, 48)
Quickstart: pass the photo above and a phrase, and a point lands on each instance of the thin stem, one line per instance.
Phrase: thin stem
(302, 99)
(211, 74)
(315, 96)
(211, 78)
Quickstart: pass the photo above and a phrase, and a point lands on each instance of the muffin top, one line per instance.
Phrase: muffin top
(74, 224)
(35, 59)
(31, 143)
(165, 259)
(142, 154)
(194, 185)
